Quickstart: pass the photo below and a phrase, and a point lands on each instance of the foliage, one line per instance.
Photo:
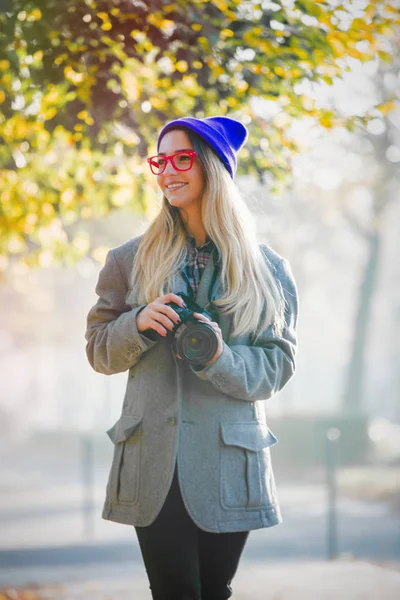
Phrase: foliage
(86, 85)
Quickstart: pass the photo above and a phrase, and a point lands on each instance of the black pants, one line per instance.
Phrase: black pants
(182, 561)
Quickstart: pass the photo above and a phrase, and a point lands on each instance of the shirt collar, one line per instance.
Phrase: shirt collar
(206, 247)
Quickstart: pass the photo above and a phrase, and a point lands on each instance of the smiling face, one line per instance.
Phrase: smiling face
(183, 189)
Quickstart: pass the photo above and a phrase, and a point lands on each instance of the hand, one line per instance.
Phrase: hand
(218, 331)
(158, 316)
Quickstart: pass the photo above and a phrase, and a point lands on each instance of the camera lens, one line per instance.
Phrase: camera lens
(196, 342)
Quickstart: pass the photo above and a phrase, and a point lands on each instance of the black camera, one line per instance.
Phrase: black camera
(194, 341)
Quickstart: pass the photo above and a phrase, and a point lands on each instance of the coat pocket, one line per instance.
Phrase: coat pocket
(123, 483)
(246, 478)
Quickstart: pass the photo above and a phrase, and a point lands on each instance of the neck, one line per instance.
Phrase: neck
(195, 227)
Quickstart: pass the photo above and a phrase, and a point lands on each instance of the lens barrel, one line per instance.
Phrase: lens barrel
(196, 342)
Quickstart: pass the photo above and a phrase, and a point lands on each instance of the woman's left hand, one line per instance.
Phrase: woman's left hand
(218, 331)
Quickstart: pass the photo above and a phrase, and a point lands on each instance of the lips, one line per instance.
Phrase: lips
(172, 187)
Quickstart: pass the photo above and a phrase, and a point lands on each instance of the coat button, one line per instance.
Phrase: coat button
(219, 381)
(172, 421)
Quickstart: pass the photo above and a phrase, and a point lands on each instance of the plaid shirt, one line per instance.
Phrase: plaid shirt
(197, 259)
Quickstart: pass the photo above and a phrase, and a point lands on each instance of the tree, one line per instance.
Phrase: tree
(382, 143)
(86, 85)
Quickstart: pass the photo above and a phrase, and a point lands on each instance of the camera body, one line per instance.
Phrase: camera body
(194, 341)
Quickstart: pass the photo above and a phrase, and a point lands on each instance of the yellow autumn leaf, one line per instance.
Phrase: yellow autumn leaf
(36, 14)
(256, 69)
(296, 72)
(226, 33)
(385, 56)
(203, 41)
(265, 46)
(354, 53)
(280, 71)
(387, 107)
(181, 66)
(167, 25)
(338, 47)
(232, 102)
(217, 70)
(359, 25)
(326, 121)
(248, 37)
(52, 95)
(221, 4)
(386, 31)
(49, 113)
(60, 59)
(73, 76)
(158, 102)
(242, 86)
(190, 84)
(300, 52)
(38, 55)
(326, 19)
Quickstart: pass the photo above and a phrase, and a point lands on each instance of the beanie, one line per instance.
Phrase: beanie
(225, 136)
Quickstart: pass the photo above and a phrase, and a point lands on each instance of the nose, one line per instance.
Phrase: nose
(169, 168)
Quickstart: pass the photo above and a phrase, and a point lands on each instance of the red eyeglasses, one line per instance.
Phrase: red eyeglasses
(181, 161)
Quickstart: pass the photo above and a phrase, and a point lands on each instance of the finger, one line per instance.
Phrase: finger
(172, 298)
(201, 317)
(205, 319)
(162, 319)
(158, 328)
(213, 324)
(167, 310)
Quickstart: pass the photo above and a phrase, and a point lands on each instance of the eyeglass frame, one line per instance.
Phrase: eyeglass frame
(170, 158)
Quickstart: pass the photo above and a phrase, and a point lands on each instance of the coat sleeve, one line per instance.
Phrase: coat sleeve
(114, 343)
(259, 371)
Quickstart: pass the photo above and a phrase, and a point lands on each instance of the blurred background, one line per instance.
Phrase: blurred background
(84, 89)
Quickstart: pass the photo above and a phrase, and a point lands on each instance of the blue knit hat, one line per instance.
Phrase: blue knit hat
(225, 136)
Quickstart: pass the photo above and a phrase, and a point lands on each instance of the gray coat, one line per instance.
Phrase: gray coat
(211, 421)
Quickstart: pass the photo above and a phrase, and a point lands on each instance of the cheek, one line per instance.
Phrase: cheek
(200, 179)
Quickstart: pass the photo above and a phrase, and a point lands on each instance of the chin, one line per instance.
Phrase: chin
(176, 203)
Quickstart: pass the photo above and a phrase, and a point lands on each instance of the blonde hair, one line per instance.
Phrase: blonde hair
(251, 293)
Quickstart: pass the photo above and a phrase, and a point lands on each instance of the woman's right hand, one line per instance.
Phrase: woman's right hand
(158, 316)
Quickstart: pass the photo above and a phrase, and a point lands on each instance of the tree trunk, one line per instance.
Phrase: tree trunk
(352, 401)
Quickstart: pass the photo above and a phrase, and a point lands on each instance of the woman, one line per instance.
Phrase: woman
(191, 468)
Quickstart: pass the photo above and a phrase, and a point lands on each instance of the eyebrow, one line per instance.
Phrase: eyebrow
(182, 150)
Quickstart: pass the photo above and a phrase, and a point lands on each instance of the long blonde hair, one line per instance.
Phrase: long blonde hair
(251, 293)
